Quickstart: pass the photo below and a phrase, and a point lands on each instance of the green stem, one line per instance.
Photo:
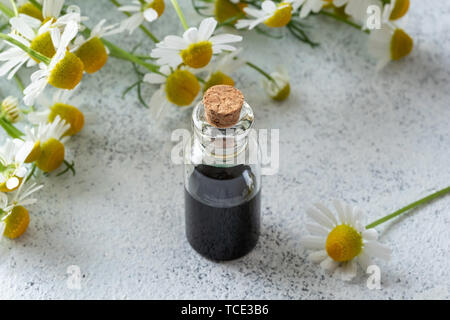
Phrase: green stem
(10, 129)
(177, 8)
(13, 4)
(342, 19)
(7, 11)
(19, 82)
(255, 67)
(409, 207)
(143, 28)
(119, 53)
(31, 52)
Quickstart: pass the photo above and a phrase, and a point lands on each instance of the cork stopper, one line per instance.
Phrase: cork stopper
(223, 105)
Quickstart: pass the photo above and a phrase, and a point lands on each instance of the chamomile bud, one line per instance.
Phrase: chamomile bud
(31, 10)
(70, 114)
(67, 73)
(182, 87)
(16, 223)
(157, 5)
(10, 109)
(279, 88)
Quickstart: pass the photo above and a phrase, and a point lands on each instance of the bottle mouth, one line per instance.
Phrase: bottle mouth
(222, 142)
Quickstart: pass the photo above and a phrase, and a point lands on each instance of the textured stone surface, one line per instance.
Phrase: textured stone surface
(378, 141)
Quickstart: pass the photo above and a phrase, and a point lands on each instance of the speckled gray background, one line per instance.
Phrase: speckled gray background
(378, 141)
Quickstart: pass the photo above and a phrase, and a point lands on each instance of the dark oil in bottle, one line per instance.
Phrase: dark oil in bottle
(222, 211)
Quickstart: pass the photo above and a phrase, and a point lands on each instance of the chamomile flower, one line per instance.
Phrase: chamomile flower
(12, 169)
(196, 48)
(274, 15)
(10, 109)
(179, 87)
(51, 139)
(28, 31)
(339, 242)
(140, 11)
(389, 43)
(65, 69)
(59, 106)
(16, 220)
(280, 88)
(92, 51)
(220, 71)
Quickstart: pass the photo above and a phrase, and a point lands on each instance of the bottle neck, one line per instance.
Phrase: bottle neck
(222, 145)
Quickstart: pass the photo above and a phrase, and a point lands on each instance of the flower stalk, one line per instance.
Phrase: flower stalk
(177, 8)
(342, 19)
(417, 203)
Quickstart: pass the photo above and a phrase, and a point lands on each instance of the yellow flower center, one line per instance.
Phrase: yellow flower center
(182, 87)
(70, 114)
(93, 54)
(343, 243)
(401, 44)
(67, 73)
(400, 9)
(158, 6)
(52, 155)
(35, 153)
(281, 17)
(224, 10)
(17, 222)
(197, 55)
(218, 78)
(283, 94)
(43, 44)
(31, 10)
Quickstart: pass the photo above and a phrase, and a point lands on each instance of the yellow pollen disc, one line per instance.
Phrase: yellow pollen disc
(44, 45)
(70, 114)
(218, 78)
(343, 243)
(31, 10)
(3, 187)
(401, 44)
(225, 10)
(158, 6)
(67, 73)
(182, 87)
(52, 155)
(283, 94)
(93, 54)
(35, 153)
(17, 222)
(197, 55)
(400, 9)
(281, 17)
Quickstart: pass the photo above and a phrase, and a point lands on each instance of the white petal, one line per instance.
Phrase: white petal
(12, 183)
(150, 15)
(318, 256)
(320, 218)
(364, 261)
(327, 212)
(370, 234)
(376, 249)
(317, 230)
(20, 25)
(130, 8)
(313, 242)
(225, 38)
(268, 6)
(329, 264)
(206, 29)
(191, 35)
(347, 271)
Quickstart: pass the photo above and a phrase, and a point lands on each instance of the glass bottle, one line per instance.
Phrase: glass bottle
(222, 187)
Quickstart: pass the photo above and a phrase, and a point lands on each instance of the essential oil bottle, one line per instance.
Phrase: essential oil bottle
(222, 177)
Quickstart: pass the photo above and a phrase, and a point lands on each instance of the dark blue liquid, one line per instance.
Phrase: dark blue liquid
(222, 211)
